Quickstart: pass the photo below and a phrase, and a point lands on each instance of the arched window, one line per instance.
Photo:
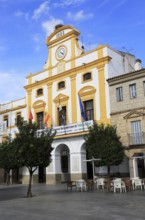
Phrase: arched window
(64, 159)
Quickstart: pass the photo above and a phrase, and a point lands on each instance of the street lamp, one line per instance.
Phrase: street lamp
(93, 165)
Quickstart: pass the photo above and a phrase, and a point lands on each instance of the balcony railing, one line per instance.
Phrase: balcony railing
(72, 128)
(136, 138)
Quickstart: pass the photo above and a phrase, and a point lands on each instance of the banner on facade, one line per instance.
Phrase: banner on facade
(73, 128)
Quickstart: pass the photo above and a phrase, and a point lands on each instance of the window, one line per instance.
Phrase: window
(40, 120)
(18, 118)
(119, 94)
(132, 89)
(89, 110)
(61, 85)
(6, 120)
(39, 92)
(136, 132)
(64, 159)
(144, 87)
(62, 115)
(86, 76)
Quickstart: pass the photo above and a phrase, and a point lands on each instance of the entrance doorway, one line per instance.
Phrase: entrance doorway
(89, 168)
(41, 174)
(141, 168)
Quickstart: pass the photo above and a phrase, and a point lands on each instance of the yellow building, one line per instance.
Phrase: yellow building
(70, 73)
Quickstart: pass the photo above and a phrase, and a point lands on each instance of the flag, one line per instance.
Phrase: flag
(61, 114)
(46, 119)
(30, 116)
(82, 110)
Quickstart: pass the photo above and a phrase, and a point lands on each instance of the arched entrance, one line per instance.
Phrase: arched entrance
(62, 156)
(139, 164)
(42, 174)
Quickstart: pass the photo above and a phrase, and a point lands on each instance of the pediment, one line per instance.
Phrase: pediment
(38, 104)
(87, 91)
(60, 98)
(134, 114)
(62, 32)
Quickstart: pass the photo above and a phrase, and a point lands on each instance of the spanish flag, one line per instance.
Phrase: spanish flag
(30, 116)
(46, 118)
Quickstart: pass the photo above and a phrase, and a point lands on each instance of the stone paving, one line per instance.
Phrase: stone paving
(57, 203)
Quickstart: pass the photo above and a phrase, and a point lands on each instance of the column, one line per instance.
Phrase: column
(49, 97)
(73, 99)
(102, 92)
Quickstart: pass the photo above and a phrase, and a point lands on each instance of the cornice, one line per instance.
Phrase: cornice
(39, 104)
(71, 135)
(127, 110)
(13, 109)
(60, 97)
(73, 31)
(87, 91)
(126, 77)
(69, 73)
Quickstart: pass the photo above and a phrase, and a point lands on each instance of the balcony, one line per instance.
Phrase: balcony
(72, 128)
(136, 138)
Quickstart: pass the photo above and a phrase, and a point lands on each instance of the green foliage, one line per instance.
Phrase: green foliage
(34, 149)
(103, 142)
(8, 155)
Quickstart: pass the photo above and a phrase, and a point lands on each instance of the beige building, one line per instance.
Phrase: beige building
(127, 103)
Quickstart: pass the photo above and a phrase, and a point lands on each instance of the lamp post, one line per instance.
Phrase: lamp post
(93, 165)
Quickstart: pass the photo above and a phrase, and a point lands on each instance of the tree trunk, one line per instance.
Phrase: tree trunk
(29, 192)
(108, 168)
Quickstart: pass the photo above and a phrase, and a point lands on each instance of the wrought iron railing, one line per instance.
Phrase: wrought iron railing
(136, 138)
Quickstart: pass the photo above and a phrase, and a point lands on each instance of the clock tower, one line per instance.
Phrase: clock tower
(63, 48)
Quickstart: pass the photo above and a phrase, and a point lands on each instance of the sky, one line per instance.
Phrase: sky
(25, 25)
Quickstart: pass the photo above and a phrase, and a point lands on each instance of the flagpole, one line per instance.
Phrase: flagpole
(83, 115)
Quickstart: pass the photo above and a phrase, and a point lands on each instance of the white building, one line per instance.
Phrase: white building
(68, 74)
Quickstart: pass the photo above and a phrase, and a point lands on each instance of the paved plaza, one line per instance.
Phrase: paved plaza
(58, 203)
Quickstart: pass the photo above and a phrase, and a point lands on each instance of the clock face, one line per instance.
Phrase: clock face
(61, 52)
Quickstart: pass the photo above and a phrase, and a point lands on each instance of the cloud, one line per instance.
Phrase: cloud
(65, 3)
(43, 8)
(10, 88)
(20, 13)
(49, 26)
(79, 16)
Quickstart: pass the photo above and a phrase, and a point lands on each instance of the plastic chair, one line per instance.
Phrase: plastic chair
(133, 179)
(100, 183)
(119, 185)
(138, 184)
(81, 185)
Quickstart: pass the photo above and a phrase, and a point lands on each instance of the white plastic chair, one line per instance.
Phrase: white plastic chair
(133, 179)
(100, 183)
(81, 185)
(138, 184)
(119, 185)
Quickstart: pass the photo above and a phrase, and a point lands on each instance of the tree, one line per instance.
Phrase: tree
(8, 157)
(34, 149)
(103, 142)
